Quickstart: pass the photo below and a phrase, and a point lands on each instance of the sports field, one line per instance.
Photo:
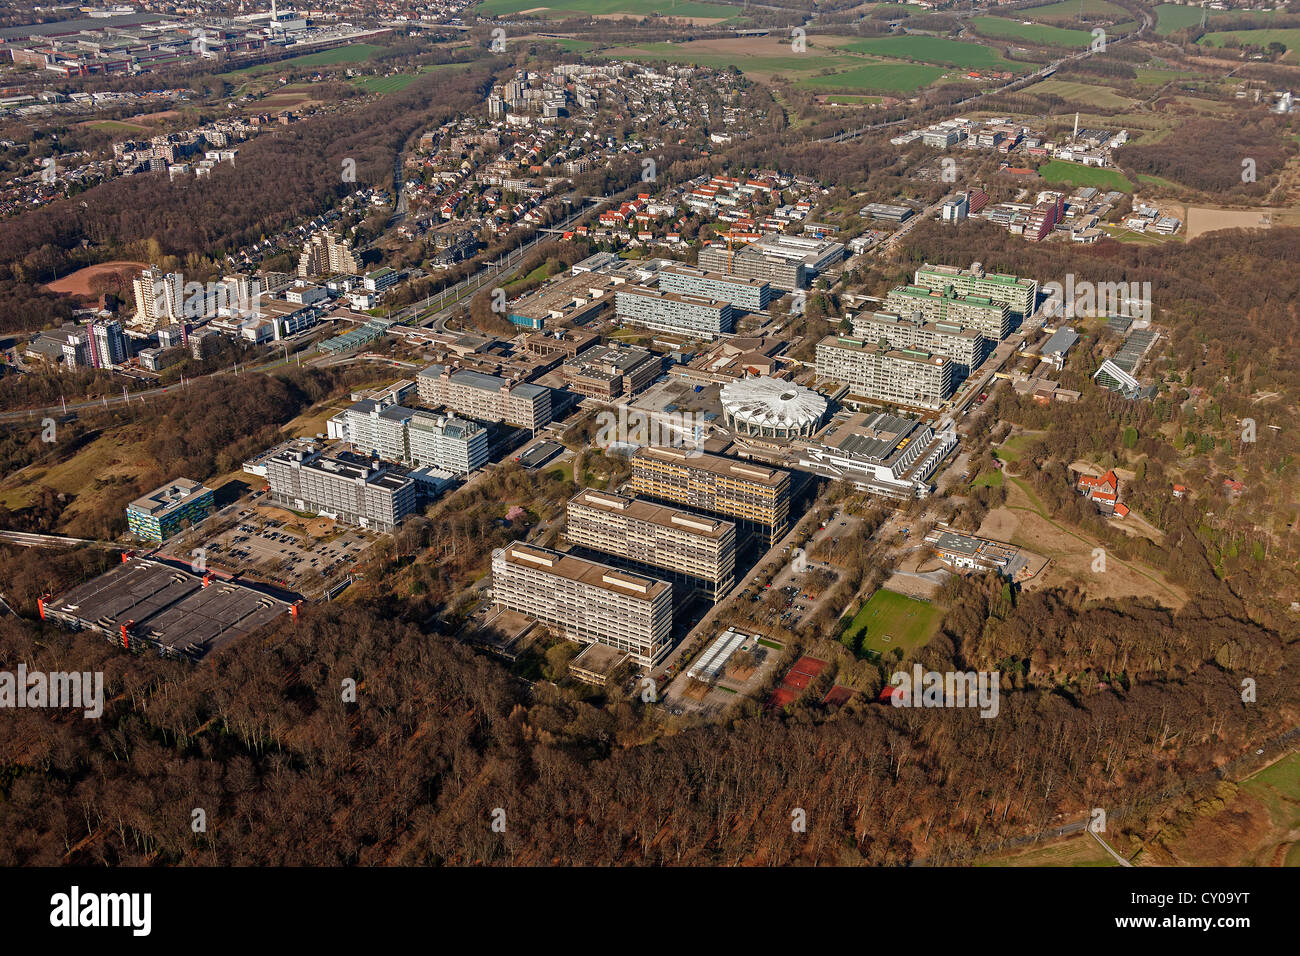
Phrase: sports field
(938, 50)
(1058, 171)
(1036, 33)
(889, 620)
(631, 8)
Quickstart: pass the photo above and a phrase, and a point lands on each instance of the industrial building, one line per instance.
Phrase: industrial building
(964, 347)
(690, 315)
(485, 397)
(907, 377)
(1017, 294)
(166, 510)
(991, 319)
(346, 487)
(750, 493)
(882, 454)
(586, 601)
(660, 540)
(144, 604)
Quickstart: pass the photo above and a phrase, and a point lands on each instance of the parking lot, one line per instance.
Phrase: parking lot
(305, 554)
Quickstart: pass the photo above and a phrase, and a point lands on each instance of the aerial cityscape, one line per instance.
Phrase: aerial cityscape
(649, 433)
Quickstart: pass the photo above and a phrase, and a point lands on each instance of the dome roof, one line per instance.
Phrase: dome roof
(772, 403)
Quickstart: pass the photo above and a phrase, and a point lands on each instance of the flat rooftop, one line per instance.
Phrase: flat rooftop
(651, 513)
(905, 355)
(175, 494)
(169, 606)
(873, 435)
(715, 464)
(586, 572)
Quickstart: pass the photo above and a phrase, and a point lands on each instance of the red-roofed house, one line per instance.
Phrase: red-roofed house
(1103, 491)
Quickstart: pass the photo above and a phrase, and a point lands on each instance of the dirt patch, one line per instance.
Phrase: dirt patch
(1201, 219)
(80, 283)
(1071, 556)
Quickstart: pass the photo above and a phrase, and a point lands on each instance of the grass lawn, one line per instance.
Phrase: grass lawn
(1036, 33)
(1080, 850)
(890, 620)
(932, 50)
(352, 53)
(1076, 174)
(637, 8)
(1160, 77)
(988, 479)
(1010, 449)
(1171, 17)
(850, 99)
(884, 76)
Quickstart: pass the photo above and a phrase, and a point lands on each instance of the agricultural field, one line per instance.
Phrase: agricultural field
(1289, 38)
(1035, 33)
(399, 81)
(1081, 850)
(1171, 17)
(1087, 94)
(891, 620)
(758, 57)
(1073, 11)
(707, 12)
(936, 50)
(1076, 174)
(885, 76)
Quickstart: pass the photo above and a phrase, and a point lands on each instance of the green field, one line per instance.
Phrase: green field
(1087, 94)
(851, 99)
(400, 81)
(1073, 9)
(884, 76)
(635, 8)
(923, 49)
(1156, 77)
(1171, 17)
(889, 620)
(1290, 38)
(1076, 174)
(988, 479)
(682, 53)
(352, 53)
(1035, 33)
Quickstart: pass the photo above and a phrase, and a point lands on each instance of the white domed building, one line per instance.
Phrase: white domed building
(764, 407)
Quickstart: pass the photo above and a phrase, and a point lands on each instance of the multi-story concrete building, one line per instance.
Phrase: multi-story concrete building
(753, 494)
(158, 298)
(991, 319)
(907, 377)
(485, 397)
(413, 436)
(325, 253)
(691, 315)
(107, 343)
(964, 347)
(751, 294)
(166, 510)
(656, 539)
(585, 601)
(1017, 294)
(611, 371)
(346, 487)
(786, 262)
